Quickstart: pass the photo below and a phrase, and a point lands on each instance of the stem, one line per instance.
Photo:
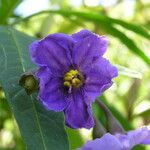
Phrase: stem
(98, 130)
(103, 107)
(113, 125)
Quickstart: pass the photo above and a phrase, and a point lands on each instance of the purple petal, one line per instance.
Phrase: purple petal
(135, 137)
(78, 114)
(52, 51)
(50, 92)
(81, 34)
(147, 140)
(119, 141)
(63, 40)
(88, 48)
(99, 78)
(107, 142)
(44, 74)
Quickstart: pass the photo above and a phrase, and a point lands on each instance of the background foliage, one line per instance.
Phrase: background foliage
(125, 22)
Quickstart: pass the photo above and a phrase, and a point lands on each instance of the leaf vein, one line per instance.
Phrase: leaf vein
(38, 123)
(18, 49)
(5, 56)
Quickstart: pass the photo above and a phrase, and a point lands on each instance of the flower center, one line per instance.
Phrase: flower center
(73, 78)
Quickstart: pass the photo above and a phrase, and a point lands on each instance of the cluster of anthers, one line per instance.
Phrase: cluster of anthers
(73, 79)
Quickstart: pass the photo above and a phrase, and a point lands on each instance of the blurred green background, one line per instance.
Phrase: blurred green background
(127, 25)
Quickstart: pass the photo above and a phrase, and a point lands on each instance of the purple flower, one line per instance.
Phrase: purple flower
(72, 73)
(119, 141)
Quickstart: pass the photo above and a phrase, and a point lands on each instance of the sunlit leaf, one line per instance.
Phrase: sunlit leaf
(107, 24)
(129, 43)
(135, 28)
(40, 128)
(6, 9)
(129, 72)
(145, 113)
(131, 98)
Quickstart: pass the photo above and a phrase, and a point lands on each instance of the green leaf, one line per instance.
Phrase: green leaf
(135, 28)
(75, 138)
(144, 114)
(131, 98)
(40, 128)
(129, 72)
(6, 9)
(128, 42)
(107, 24)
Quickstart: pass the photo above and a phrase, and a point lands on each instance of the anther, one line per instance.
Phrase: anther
(73, 79)
(67, 83)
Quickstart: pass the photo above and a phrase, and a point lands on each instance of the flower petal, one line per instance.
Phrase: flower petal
(88, 48)
(78, 114)
(44, 74)
(99, 78)
(81, 34)
(50, 92)
(135, 137)
(146, 141)
(107, 142)
(63, 40)
(52, 51)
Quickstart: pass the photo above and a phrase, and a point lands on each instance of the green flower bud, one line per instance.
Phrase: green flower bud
(98, 129)
(29, 82)
(113, 125)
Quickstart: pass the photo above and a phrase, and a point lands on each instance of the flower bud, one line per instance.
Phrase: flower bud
(113, 125)
(98, 130)
(29, 82)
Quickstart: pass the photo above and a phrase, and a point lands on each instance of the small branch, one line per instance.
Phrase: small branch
(113, 125)
(98, 130)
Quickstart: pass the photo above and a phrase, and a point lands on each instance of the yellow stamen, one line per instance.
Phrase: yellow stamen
(67, 83)
(76, 82)
(73, 78)
(73, 72)
(67, 78)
